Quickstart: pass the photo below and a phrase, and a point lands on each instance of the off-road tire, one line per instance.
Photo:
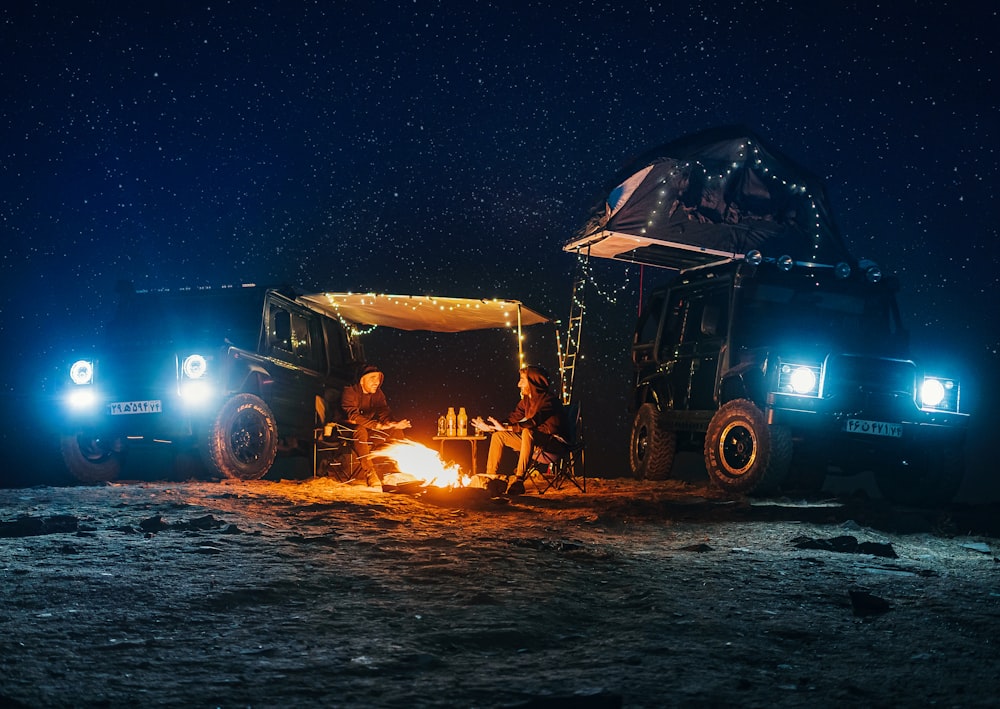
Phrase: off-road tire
(931, 479)
(743, 454)
(89, 459)
(651, 448)
(242, 441)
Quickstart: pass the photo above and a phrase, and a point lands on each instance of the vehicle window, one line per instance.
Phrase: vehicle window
(649, 321)
(279, 331)
(674, 322)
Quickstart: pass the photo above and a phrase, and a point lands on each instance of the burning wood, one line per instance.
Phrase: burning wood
(423, 464)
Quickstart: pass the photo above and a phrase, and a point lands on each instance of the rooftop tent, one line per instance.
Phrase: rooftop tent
(712, 197)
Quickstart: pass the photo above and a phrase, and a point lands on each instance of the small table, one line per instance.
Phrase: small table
(473, 440)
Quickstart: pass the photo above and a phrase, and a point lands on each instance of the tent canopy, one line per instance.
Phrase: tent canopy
(424, 312)
(712, 197)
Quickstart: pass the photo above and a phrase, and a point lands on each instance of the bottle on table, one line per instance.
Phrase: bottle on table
(452, 421)
(463, 422)
(442, 425)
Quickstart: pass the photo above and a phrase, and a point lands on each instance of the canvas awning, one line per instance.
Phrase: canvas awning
(425, 312)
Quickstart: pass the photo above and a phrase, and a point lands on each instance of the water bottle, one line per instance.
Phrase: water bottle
(451, 420)
(463, 422)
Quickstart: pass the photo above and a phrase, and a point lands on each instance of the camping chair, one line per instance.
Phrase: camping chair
(554, 469)
(334, 453)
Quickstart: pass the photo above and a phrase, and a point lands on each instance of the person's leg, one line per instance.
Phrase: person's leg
(363, 449)
(498, 441)
(526, 443)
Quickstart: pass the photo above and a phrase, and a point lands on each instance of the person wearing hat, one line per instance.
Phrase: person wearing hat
(537, 422)
(367, 411)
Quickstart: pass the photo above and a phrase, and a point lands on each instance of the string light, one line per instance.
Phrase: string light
(748, 153)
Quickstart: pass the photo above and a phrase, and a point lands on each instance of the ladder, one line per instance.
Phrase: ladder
(574, 326)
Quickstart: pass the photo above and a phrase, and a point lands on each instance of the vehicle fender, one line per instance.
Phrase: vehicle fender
(744, 381)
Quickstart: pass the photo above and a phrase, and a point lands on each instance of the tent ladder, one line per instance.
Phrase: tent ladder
(574, 328)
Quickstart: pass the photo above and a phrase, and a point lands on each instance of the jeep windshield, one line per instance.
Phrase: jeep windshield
(831, 316)
(163, 318)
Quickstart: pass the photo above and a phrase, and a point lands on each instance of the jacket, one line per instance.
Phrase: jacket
(541, 410)
(364, 409)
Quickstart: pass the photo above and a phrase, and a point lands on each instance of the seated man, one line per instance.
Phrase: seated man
(538, 420)
(367, 410)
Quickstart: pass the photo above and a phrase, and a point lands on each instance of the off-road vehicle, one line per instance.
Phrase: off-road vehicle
(233, 374)
(772, 367)
(774, 348)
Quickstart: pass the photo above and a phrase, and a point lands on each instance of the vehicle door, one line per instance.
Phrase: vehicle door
(695, 326)
(295, 347)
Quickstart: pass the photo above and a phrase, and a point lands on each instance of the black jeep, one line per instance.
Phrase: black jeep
(235, 374)
(774, 368)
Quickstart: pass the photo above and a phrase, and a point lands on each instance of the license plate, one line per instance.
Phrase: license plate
(121, 408)
(874, 428)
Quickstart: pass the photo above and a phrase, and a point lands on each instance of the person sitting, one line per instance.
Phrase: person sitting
(367, 410)
(538, 421)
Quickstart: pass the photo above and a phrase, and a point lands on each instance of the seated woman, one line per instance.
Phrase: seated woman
(537, 422)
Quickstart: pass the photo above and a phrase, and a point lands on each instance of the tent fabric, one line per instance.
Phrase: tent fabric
(711, 196)
(421, 312)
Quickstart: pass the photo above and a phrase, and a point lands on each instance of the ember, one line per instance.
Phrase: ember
(423, 464)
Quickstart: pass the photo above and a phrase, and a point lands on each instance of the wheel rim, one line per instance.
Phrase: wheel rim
(93, 450)
(641, 443)
(738, 448)
(248, 438)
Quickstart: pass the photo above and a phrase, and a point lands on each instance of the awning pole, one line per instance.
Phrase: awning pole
(520, 348)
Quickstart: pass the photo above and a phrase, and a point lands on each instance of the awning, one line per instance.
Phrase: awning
(425, 312)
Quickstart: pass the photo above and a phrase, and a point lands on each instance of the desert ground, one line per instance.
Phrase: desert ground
(309, 592)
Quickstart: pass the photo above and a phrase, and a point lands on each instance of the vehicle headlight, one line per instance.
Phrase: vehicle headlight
(939, 394)
(194, 366)
(801, 379)
(82, 372)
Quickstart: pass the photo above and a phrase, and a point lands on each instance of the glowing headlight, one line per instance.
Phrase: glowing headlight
(194, 367)
(82, 372)
(801, 379)
(940, 393)
(785, 263)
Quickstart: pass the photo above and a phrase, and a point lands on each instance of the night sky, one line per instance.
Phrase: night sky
(451, 148)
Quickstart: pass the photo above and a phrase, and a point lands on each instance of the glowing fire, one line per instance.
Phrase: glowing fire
(424, 464)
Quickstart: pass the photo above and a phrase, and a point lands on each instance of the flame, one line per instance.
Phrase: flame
(424, 464)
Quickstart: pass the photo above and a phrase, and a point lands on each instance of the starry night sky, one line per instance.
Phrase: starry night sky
(452, 147)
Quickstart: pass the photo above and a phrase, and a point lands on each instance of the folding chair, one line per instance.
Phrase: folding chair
(557, 469)
(336, 451)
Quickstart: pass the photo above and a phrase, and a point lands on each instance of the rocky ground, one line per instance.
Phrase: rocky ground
(313, 593)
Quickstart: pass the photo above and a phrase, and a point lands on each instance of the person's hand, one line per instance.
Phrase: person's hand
(497, 426)
(479, 424)
(403, 424)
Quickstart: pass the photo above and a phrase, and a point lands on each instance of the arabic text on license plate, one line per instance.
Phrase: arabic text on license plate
(874, 428)
(118, 408)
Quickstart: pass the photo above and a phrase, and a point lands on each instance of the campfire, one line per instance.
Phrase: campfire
(417, 462)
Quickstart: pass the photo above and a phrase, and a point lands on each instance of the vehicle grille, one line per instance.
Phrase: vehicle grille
(869, 384)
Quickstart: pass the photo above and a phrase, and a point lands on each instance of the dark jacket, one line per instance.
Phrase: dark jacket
(365, 409)
(541, 410)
